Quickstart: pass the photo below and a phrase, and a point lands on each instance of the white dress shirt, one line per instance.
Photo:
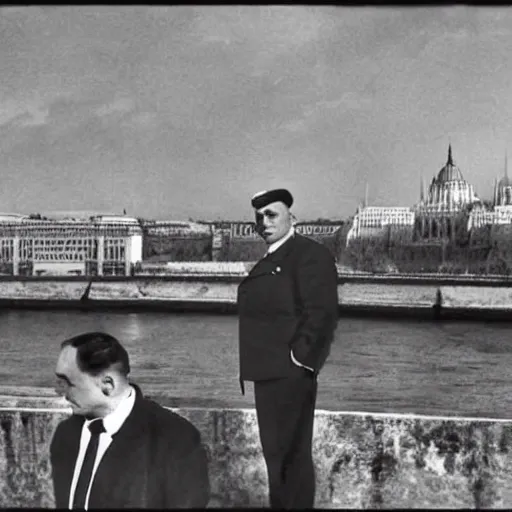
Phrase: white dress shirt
(272, 248)
(112, 423)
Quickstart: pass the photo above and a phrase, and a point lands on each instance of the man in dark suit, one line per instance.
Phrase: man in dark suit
(288, 310)
(119, 449)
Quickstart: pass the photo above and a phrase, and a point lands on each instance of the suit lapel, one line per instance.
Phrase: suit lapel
(272, 263)
(282, 253)
(69, 449)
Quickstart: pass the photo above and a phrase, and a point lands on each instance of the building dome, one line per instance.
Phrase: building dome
(449, 192)
(450, 172)
(504, 182)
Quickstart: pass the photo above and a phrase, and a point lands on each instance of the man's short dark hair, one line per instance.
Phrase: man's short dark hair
(99, 351)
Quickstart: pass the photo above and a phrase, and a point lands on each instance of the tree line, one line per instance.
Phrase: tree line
(488, 251)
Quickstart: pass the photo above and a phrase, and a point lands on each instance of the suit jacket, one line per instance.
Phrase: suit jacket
(289, 300)
(155, 460)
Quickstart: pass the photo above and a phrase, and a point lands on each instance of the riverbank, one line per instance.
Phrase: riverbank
(362, 460)
(212, 287)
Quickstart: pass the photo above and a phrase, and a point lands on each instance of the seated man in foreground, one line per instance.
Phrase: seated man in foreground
(119, 449)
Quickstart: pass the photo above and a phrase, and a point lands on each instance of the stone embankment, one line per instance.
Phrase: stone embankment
(362, 460)
(212, 286)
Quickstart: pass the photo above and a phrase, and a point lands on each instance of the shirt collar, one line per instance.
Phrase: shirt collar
(273, 247)
(115, 419)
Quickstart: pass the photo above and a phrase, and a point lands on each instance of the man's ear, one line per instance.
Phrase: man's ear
(107, 384)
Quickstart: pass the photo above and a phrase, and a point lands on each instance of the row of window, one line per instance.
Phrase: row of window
(68, 242)
(61, 250)
(7, 231)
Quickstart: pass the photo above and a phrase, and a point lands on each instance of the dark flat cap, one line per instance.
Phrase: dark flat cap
(261, 199)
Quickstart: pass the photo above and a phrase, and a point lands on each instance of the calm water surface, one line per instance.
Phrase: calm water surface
(375, 365)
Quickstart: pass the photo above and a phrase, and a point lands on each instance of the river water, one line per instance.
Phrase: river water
(376, 365)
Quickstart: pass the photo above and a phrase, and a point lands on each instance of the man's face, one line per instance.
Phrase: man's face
(273, 222)
(81, 390)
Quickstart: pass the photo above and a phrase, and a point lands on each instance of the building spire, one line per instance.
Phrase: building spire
(495, 192)
(366, 195)
(422, 189)
(506, 164)
(450, 160)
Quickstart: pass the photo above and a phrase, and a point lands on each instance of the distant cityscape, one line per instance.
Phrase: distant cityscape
(98, 245)
(435, 215)
(449, 230)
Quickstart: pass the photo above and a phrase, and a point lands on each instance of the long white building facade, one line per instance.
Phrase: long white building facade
(371, 221)
(100, 245)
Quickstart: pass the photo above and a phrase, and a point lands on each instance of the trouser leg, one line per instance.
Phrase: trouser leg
(285, 410)
(299, 467)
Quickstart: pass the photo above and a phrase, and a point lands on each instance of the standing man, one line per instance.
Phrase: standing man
(288, 310)
(119, 449)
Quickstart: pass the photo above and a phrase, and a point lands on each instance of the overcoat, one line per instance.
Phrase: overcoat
(288, 301)
(155, 460)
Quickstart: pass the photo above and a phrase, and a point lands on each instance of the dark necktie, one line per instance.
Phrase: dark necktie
(96, 428)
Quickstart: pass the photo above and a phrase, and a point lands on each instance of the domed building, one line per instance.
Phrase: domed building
(449, 191)
(503, 189)
(449, 194)
(501, 211)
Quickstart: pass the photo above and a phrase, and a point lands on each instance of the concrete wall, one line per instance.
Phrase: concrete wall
(362, 460)
(224, 290)
(210, 290)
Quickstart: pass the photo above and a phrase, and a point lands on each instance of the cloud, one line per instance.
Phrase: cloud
(10, 110)
(446, 41)
(126, 112)
(15, 113)
(36, 117)
(349, 101)
(119, 105)
(295, 125)
(144, 119)
(259, 36)
(25, 12)
(315, 111)
(260, 25)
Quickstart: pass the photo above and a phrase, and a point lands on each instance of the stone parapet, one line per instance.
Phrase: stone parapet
(362, 460)
(212, 287)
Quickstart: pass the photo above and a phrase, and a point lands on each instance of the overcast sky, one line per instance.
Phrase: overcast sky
(177, 112)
